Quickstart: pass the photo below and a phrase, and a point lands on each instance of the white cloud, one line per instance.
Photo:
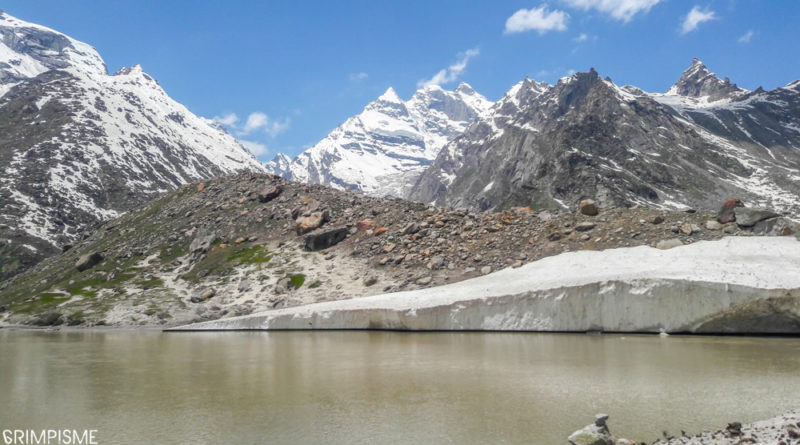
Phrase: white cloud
(570, 72)
(228, 119)
(255, 121)
(452, 72)
(746, 37)
(581, 38)
(274, 128)
(256, 148)
(261, 121)
(618, 9)
(537, 19)
(358, 77)
(695, 17)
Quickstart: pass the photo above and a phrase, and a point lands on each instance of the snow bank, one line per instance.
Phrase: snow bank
(734, 285)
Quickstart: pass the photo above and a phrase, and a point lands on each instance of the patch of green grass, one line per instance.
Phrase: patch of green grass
(315, 284)
(252, 255)
(44, 302)
(297, 280)
(151, 283)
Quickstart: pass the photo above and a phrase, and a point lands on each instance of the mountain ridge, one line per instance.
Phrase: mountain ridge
(702, 141)
(79, 146)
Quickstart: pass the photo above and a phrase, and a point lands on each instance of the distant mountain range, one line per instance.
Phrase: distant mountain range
(79, 146)
(384, 149)
(548, 146)
(702, 141)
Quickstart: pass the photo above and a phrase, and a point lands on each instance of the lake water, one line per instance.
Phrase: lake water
(386, 387)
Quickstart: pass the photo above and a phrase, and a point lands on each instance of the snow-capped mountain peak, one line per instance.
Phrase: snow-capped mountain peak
(698, 81)
(390, 96)
(381, 150)
(28, 49)
(81, 146)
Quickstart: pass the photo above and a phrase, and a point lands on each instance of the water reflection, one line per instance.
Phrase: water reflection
(368, 387)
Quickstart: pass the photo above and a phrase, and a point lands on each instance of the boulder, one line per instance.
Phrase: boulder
(203, 296)
(305, 224)
(669, 244)
(776, 227)
(585, 226)
(437, 262)
(269, 193)
(726, 213)
(324, 238)
(67, 246)
(713, 225)
(89, 260)
(202, 242)
(411, 228)
(594, 434)
(588, 207)
(749, 216)
(365, 225)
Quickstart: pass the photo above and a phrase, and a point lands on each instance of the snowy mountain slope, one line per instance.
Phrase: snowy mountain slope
(703, 141)
(28, 49)
(382, 150)
(279, 165)
(78, 146)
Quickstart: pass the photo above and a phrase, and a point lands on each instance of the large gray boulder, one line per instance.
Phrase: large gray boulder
(749, 216)
(89, 260)
(776, 227)
(202, 242)
(323, 238)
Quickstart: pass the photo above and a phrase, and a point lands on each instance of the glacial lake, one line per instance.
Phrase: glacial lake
(363, 387)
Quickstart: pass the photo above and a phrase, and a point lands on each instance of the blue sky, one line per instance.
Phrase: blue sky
(292, 71)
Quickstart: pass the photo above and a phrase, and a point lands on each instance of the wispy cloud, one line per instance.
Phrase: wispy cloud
(228, 119)
(256, 122)
(747, 37)
(452, 72)
(618, 9)
(259, 121)
(358, 77)
(256, 148)
(695, 17)
(581, 38)
(537, 19)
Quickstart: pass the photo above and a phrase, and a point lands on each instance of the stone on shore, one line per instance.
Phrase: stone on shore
(594, 434)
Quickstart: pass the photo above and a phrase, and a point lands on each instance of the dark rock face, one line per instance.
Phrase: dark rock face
(325, 238)
(552, 146)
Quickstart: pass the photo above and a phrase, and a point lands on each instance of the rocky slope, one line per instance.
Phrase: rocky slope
(79, 146)
(382, 150)
(250, 242)
(550, 146)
